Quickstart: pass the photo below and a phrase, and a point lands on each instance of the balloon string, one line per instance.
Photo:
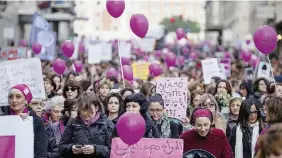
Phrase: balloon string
(149, 62)
(271, 70)
(120, 57)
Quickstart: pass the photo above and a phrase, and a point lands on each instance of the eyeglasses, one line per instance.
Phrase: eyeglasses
(254, 112)
(72, 89)
(155, 110)
(206, 105)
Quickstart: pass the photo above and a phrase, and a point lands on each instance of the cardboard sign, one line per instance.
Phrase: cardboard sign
(148, 148)
(21, 71)
(147, 44)
(106, 51)
(124, 49)
(94, 54)
(264, 70)
(210, 69)
(141, 70)
(16, 141)
(174, 92)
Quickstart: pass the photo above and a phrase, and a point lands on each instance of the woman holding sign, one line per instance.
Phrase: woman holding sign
(204, 137)
(88, 135)
(19, 97)
(167, 128)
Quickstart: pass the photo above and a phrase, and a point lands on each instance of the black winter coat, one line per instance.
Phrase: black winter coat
(40, 141)
(173, 129)
(53, 149)
(97, 134)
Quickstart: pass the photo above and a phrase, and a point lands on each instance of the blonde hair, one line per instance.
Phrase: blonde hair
(207, 96)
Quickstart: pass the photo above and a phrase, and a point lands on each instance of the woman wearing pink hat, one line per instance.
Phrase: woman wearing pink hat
(19, 97)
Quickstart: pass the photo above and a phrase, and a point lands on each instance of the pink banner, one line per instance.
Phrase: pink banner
(148, 148)
(7, 146)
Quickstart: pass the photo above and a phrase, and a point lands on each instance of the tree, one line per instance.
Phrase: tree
(171, 24)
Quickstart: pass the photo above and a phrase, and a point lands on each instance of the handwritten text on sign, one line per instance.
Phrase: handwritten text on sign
(174, 92)
(21, 71)
(148, 148)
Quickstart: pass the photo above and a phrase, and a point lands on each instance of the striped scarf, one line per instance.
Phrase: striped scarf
(165, 127)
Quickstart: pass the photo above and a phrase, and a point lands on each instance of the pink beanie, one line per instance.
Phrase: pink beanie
(25, 90)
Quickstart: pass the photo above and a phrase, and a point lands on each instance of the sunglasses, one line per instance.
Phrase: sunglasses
(70, 89)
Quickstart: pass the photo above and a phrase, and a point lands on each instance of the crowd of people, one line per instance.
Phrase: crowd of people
(79, 116)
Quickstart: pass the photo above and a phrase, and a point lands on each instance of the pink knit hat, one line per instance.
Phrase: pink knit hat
(25, 90)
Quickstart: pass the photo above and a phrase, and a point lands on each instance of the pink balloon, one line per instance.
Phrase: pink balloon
(265, 39)
(158, 54)
(248, 41)
(125, 61)
(36, 47)
(180, 33)
(181, 60)
(193, 55)
(227, 55)
(59, 66)
(139, 25)
(23, 43)
(67, 48)
(112, 72)
(127, 72)
(185, 50)
(155, 69)
(170, 59)
(115, 7)
(131, 127)
(254, 61)
(78, 65)
(81, 48)
(246, 55)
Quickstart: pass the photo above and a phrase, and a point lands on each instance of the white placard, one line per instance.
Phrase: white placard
(210, 69)
(124, 49)
(21, 71)
(264, 70)
(23, 133)
(106, 51)
(147, 44)
(8, 33)
(94, 54)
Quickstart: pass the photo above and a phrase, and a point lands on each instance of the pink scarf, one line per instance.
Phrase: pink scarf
(24, 111)
(92, 120)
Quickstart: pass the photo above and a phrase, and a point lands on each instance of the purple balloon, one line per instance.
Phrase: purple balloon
(23, 43)
(81, 48)
(155, 69)
(59, 66)
(158, 54)
(246, 55)
(265, 39)
(185, 50)
(139, 25)
(131, 127)
(227, 55)
(127, 72)
(112, 72)
(181, 60)
(36, 47)
(254, 61)
(125, 61)
(248, 41)
(193, 55)
(115, 7)
(67, 48)
(170, 59)
(180, 33)
(78, 66)
(221, 48)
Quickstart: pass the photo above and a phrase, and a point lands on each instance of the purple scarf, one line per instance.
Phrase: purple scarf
(92, 120)
(24, 111)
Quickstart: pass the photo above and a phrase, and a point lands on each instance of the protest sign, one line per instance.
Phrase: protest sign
(264, 70)
(106, 51)
(16, 141)
(94, 54)
(140, 70)
(13, 53)
(124, 49)
(174, 92)
(227, 66)
(210, 69)
(21, 71)
(147, 44)
(148, 148)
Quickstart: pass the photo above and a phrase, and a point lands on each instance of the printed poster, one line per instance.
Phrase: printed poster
(174, 92)
(148, 148)
(140, 70)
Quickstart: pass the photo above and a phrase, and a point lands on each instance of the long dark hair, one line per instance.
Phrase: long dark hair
(228, 86)
(256, 84)
(120, 100)
(244, 112)
(274, 108)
